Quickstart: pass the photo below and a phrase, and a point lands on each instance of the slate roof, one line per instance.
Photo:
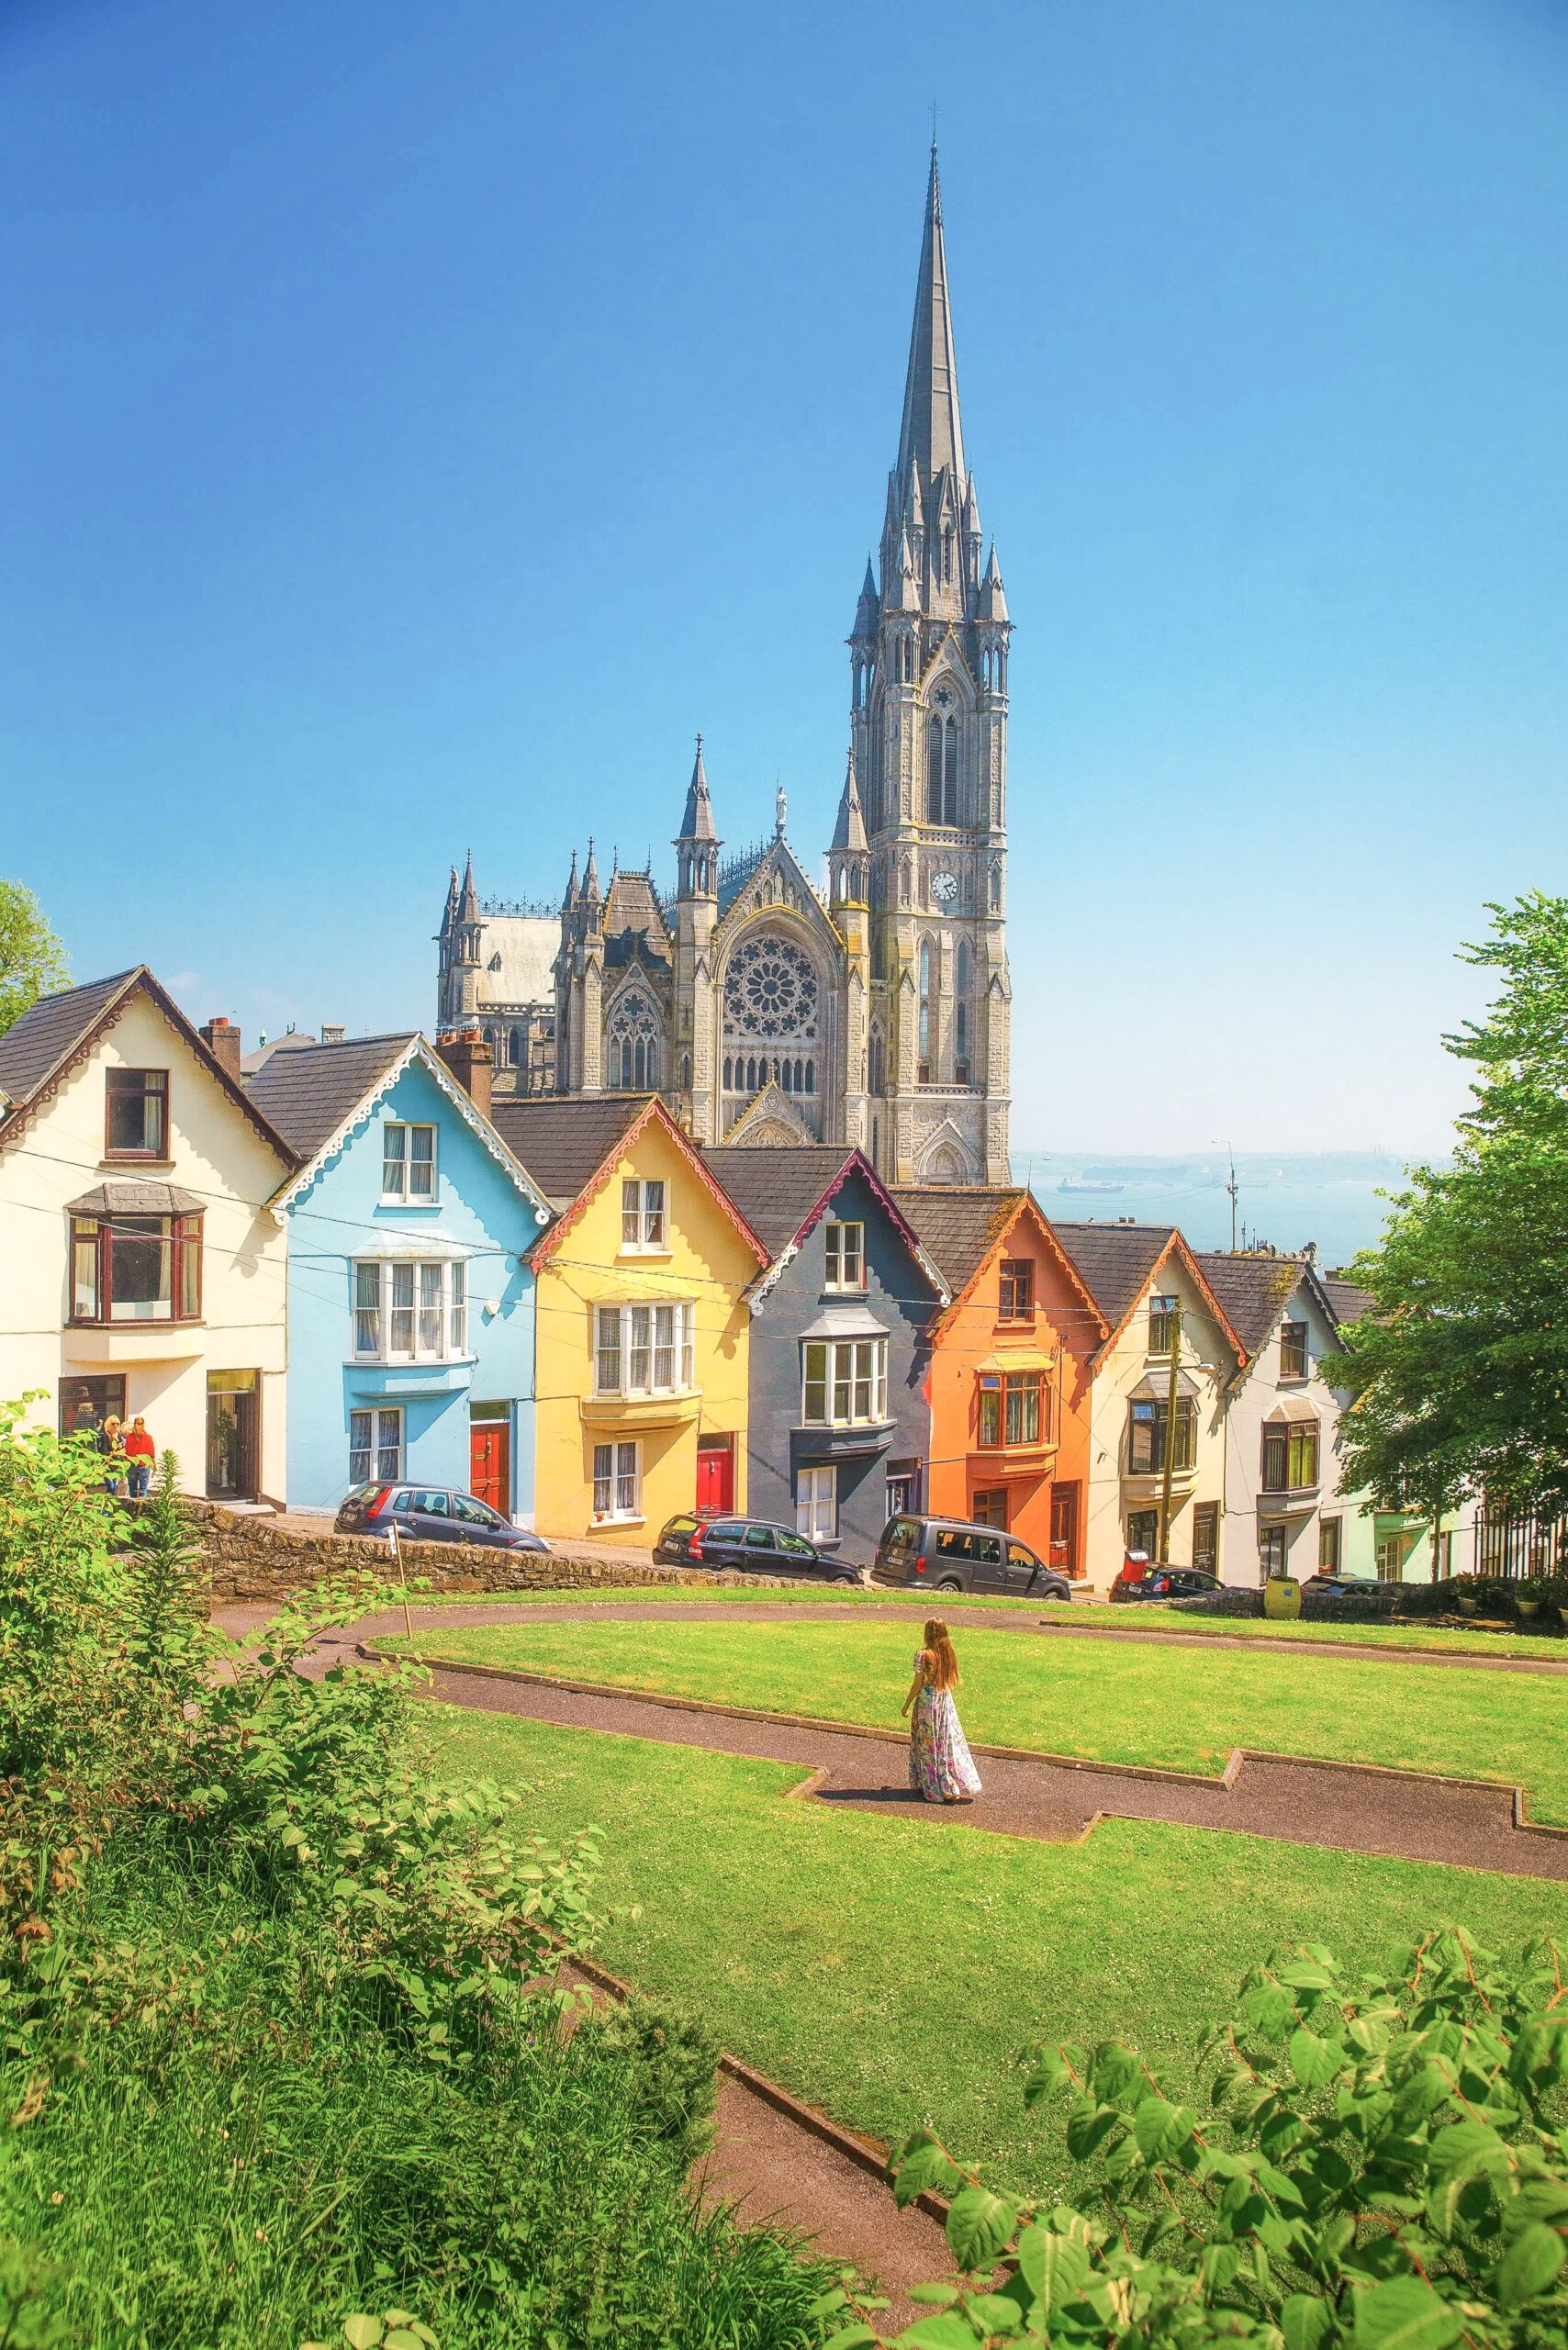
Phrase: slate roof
(959, 1225)
(1253, 1289)
(1348, 1299)
(1114, 1261)
(45, 1038)
(563, 1140)
(776, 1189)
(308, 1092)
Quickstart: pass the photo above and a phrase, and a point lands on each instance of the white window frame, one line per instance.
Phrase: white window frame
(845, 1257)
(618, 1482)
(646, 1347)
(399, 1158)
(415, 1307)
(645, 1213)
(816, 1502)
(854, 1392)
(381, 1426)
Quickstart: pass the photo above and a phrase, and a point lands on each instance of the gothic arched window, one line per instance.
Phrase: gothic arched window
(878, 1071)
(942, 769)
(927, 1016)
(632, 1046)
(772, 998)
(961, 984)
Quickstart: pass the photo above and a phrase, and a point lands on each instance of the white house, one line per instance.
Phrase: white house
(140, 1267)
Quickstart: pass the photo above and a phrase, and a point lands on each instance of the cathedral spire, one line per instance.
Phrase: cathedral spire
(931, 436)
(849, 832)
(468, 904)
(697, 824)
(590, 877)
(572, 891)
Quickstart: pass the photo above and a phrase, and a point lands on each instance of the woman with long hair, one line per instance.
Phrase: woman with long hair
(941, 1767)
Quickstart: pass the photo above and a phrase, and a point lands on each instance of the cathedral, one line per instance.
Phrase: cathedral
(768, 1010)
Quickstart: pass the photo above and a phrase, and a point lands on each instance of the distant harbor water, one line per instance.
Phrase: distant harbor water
(1286, 1198)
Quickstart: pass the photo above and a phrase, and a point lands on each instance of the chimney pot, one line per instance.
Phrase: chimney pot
(222, 1041)
(332, 1035)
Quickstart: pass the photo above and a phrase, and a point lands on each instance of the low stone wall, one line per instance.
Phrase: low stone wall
(249, 1557)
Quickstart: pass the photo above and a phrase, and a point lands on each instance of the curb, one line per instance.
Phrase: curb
(1238, 1757)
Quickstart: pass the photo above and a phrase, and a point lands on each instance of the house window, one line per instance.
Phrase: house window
(643, 1350)
(136, 1114)
(408, 1311)
(846, 1382)
(136, 1268)
(1143, 1531)
(902, 1489)
(642, 1219)
(846, 1255)
(1206, 1536)
(1010, 1408)
(408, 1165)
(1389, 1557)
(87, 1404)
(1148, 1418)
(375, 1444)
(1328, 1545)
(617, 1480)
(1293, 1350)
(1289, 1457)
(1017, 1289)
(991, 1507)
(1163, 1313)
(1271, 1551)
(816, 1504)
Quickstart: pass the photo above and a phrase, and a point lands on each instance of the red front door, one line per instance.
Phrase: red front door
(715, 1478)
(489, 1468)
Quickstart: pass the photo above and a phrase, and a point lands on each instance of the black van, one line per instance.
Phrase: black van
(948, 1554)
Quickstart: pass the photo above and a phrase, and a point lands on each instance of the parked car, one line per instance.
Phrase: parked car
(949, 1554)
(1167, 1583)
(430, 1513)
(753, 1544)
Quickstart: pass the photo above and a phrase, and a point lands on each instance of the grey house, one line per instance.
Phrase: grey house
(839, 1418)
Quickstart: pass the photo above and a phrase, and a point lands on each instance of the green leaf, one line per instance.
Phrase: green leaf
(926, 2166)
(852, 2337)
(993, 2312)
(1304, 2320)
(980, 2226)
(944, 2332)
(1314, 2061)
(362, 2329)
(1405, 2314)
(1089, 2128)
(1115, 2073)
(1053, 2265)
(1531, 2263)
(1160, 2127)
(1305, 1974)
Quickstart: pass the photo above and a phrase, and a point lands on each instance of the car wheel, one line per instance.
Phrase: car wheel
(849, 1579)
(950, 1582)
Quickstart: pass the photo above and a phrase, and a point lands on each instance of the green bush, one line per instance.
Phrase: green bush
(1382, 2169)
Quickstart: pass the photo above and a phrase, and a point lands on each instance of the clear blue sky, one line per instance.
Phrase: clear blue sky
(419, 420)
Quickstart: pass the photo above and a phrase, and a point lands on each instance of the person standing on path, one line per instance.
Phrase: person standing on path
(140, 1455)
(941, 1767)
(108, 1443)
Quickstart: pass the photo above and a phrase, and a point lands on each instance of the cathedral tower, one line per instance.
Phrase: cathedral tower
(928, 671)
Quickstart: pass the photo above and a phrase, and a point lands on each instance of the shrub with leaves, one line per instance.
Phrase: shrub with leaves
(1382, 2168)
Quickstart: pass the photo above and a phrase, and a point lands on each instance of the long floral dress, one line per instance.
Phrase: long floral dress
(941, 1767)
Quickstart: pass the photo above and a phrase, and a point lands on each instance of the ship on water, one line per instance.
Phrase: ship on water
(1081, 1184)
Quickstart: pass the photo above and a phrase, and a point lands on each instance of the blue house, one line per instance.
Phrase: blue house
(839, 1415)
(411, 1306)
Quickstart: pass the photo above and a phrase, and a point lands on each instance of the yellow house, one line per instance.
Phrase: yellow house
(642, 1361)
(141, 1271)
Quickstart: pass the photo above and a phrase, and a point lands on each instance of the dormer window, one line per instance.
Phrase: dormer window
(136, 1114)
(407, 1165)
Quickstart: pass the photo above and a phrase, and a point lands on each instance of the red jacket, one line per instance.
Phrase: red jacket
(138, 1448)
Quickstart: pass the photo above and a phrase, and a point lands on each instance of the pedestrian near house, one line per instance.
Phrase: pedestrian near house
(140, 1455)
(941, 1767)
(107, 1441)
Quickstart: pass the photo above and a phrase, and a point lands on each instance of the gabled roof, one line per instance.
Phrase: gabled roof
(1254, 1289)
(42, 1048)
(1119, 1261)
(963, 1224)
(1347, 1300)
(580, 1144)
(318, 1096)
(781, 1194)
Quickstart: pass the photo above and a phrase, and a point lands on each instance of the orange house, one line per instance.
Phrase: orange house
(1011, 1377)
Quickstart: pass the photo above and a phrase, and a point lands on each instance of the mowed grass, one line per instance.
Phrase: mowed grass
(890, 1970)
(1184, 1708)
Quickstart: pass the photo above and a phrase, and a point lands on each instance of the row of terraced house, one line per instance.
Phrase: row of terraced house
(344, 1261)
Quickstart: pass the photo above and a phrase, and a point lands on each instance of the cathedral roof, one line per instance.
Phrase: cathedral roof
(930, 435)
(632, 913)
(525, 945)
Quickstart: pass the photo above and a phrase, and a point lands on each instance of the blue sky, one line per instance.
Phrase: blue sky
(419, 422)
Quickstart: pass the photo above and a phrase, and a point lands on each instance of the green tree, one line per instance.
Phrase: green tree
(1459, 1375)
(32, 960)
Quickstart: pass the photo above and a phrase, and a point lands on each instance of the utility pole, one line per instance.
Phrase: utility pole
(1233, 1188)
(1172, 1397)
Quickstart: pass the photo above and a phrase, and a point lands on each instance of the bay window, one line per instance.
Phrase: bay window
(644, 1350)
(1011, 1408)
(410, 1310)
(408, 1165)
(844, 1383)
(1148, 1420)
(136, 1268)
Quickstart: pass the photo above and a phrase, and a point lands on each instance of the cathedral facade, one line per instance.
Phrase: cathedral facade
(767, 1011)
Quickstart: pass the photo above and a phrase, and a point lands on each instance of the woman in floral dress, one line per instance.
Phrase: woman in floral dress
(941, 1767)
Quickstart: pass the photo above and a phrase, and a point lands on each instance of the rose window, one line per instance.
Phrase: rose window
(770, 991)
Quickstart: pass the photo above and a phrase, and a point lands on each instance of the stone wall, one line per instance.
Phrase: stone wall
(249, 1557)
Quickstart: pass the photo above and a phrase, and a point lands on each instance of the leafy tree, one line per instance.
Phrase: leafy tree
(1382, 2169)
(1459, 1375)
(32, 960)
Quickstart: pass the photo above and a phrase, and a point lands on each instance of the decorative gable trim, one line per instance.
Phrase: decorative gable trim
(1029, 1207)
(653, 1113)
(1177, 1248)
(855, 1163)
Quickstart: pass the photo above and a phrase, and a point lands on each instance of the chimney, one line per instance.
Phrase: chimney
(332, 1035)
(469, 1058)
(222, 1041)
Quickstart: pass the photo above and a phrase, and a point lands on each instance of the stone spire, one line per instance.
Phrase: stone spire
(992, 602)
(573, 891)
(468, 903)
(931, 436)
(697, 824)
(865, 612)
(450, 916)
(849, 832)
(590, 877)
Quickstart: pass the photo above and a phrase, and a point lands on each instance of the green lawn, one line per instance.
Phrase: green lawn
(1115, 1702)
(890, 1969)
